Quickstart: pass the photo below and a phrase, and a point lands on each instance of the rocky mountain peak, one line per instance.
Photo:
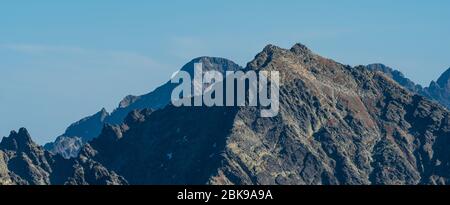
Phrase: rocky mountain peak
(297, 62)
(24, 135)
(271, 48)
(17, 141)
(300, 49)
(269, 53)
(103, 114)
(88, 127)
(211, 63)
(382, 68)
(23, 162)
(444, 80)
(440, 90)
(396, 75)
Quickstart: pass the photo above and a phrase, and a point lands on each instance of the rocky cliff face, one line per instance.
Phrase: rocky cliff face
(337, 125)
(69, 144)
(23, 162)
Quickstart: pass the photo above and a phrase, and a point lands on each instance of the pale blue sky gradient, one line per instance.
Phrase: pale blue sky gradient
(61, 61)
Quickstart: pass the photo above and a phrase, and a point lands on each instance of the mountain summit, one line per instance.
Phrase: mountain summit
(18, 141)
(69, 144)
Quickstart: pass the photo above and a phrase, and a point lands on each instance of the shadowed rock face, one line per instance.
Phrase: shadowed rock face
(24, 162)
(168, 146)
(337, 125)
(69, 144)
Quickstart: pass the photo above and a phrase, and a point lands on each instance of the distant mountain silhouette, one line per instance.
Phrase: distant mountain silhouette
(438, 91)
(398, 76)
(69, 144)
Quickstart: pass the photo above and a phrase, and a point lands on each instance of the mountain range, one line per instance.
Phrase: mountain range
(438, 91)
(337, 124)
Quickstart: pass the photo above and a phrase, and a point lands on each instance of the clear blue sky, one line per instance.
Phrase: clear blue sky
(61, 61)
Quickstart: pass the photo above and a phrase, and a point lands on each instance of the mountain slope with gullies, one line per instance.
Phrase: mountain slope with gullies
(337, 125)
(77, 134)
